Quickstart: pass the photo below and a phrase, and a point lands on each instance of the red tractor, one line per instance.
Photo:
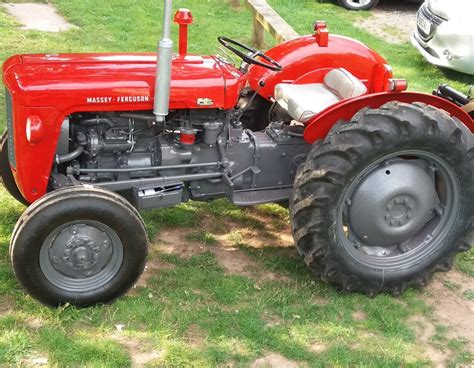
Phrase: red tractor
(380, 181)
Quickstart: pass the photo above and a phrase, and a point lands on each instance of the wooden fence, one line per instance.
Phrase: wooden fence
(265, 18)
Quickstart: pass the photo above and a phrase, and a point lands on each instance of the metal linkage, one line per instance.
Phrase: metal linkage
(147, 168)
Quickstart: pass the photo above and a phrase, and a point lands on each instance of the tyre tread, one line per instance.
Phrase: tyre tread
(369, 129)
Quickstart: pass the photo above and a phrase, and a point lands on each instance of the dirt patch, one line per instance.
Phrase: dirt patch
(36, 360)
(7, 306)
(449, 306)
(195, 336)
(450, 309)
(153, 265)
(235, 261)
(318, 347)
(34, 323)
(258, 239)
(257, 231)
(317, 300)
(274, 360)
(40, 17)
(394, 22)
(359, 315)
(271, 320)
(425, 330)
(230, 258)
(139, 352)
(175, 242)
(275, 234)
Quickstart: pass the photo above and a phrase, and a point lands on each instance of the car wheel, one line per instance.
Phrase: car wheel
(358, 4)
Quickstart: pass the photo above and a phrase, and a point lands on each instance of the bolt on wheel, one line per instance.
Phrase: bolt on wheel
(386, 200)
(81, 255)
(398, 208)
(79, 245)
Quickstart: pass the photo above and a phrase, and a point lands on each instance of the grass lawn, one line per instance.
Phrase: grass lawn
(223, 285)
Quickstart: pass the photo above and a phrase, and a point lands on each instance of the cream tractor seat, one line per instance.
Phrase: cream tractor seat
(303, 101)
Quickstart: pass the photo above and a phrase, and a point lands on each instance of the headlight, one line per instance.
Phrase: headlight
(34, 129)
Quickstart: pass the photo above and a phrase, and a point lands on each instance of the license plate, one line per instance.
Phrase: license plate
(424, 24)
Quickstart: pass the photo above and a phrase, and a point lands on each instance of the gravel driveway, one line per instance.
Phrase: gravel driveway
(393, 21)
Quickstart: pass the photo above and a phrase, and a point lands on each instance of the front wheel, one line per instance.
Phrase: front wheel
(387, 199)
(78, 245)
(358, 4)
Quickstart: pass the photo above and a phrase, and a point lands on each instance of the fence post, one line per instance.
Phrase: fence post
(258, 35)
(235, 3)
(265, 18)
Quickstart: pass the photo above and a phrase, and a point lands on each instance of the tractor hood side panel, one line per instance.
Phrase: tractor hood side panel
(303, 55)
(111, 82)
(48, 88)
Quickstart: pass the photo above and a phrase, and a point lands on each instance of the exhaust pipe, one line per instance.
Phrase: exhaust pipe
(163, 67)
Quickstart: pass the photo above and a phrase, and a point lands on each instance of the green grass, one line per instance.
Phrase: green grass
(194, 312)
(232, 318)
(202, 236)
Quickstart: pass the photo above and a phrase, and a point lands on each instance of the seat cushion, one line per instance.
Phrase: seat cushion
(304, 101)
(344, 84)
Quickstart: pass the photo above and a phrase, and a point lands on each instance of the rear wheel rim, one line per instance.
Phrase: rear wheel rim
(403, 234)
(81, 256)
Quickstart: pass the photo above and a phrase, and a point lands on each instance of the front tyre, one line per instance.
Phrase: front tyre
(6, 172)
(78, 245)
(387, 199)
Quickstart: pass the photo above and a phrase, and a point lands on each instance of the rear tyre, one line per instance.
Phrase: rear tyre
(6, 173)
(358, 4)
(386, 200)
(78, 245)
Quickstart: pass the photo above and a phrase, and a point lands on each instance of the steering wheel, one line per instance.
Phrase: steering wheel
(252, 56)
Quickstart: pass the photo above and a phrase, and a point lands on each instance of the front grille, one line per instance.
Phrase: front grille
(11, 140)
(434, 20)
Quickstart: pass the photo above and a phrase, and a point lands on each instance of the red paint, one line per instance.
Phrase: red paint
(303, 55)
(58, 85)
(399, 85)
(68, 80)
(34, 161)
(48, 88)
(321, 33)
(187, 138)
(322, 123)
(380, 78)
(184, 18)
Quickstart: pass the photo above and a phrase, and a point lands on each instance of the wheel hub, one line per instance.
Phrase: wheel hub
(80, 251)
(392, 203)
(399, 211)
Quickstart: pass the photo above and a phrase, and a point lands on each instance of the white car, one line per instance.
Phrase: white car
(445, 34)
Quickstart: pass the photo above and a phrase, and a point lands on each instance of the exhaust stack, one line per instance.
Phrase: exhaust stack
(163, 67)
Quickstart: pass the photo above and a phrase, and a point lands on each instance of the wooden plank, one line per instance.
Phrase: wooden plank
(258, 37)
(271, 21)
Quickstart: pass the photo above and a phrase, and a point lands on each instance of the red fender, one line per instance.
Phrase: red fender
(321, 124)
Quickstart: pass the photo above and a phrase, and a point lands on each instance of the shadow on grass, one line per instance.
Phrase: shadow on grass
(238, 318)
